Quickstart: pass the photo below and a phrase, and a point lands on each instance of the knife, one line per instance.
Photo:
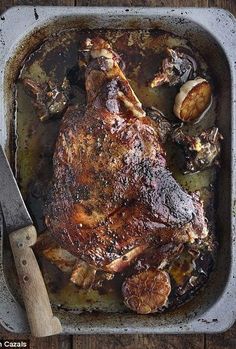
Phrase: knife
(22, 236)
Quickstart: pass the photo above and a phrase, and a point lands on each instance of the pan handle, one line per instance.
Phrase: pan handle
(41, 320)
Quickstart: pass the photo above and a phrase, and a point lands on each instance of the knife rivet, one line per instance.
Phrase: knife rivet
(25, 278)
(20, 245)
(24, 262)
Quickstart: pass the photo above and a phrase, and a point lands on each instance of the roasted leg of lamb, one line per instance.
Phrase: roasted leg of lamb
(112, 196)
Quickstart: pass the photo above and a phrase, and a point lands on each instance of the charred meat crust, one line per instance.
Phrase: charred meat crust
(111, 191)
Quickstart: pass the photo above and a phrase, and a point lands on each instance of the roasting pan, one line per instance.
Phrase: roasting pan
(212, 32)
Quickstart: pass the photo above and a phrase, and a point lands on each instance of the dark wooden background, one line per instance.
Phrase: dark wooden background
(225, 340)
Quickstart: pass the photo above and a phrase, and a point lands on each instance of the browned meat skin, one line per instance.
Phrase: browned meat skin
(111, 191)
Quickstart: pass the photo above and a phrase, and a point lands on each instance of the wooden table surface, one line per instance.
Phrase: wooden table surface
(225, 340)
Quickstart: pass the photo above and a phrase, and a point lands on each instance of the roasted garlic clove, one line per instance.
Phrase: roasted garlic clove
(193, 99)
(147, 292)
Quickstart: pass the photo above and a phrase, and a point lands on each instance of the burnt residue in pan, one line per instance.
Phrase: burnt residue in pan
(142, 52)
(36, 16)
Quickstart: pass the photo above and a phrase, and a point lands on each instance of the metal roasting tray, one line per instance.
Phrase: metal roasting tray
(212, 32)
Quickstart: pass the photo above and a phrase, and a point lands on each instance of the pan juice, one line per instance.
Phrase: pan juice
(57, 58)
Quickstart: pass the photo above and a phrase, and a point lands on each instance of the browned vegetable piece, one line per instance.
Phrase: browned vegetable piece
(177, 68)
(147, 292)
(200, 151)
(193, 100)
(49, 99)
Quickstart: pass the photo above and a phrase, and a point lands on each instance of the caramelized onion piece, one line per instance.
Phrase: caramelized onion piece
(147, 291)
(193, 99)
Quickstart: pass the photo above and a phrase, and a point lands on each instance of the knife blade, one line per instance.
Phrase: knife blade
(22, 235)
(15, 213)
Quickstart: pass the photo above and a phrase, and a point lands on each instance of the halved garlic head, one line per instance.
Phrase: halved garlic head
(193, 99)
(147, 292)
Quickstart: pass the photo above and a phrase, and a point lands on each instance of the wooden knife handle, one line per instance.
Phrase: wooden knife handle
(41, 320)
